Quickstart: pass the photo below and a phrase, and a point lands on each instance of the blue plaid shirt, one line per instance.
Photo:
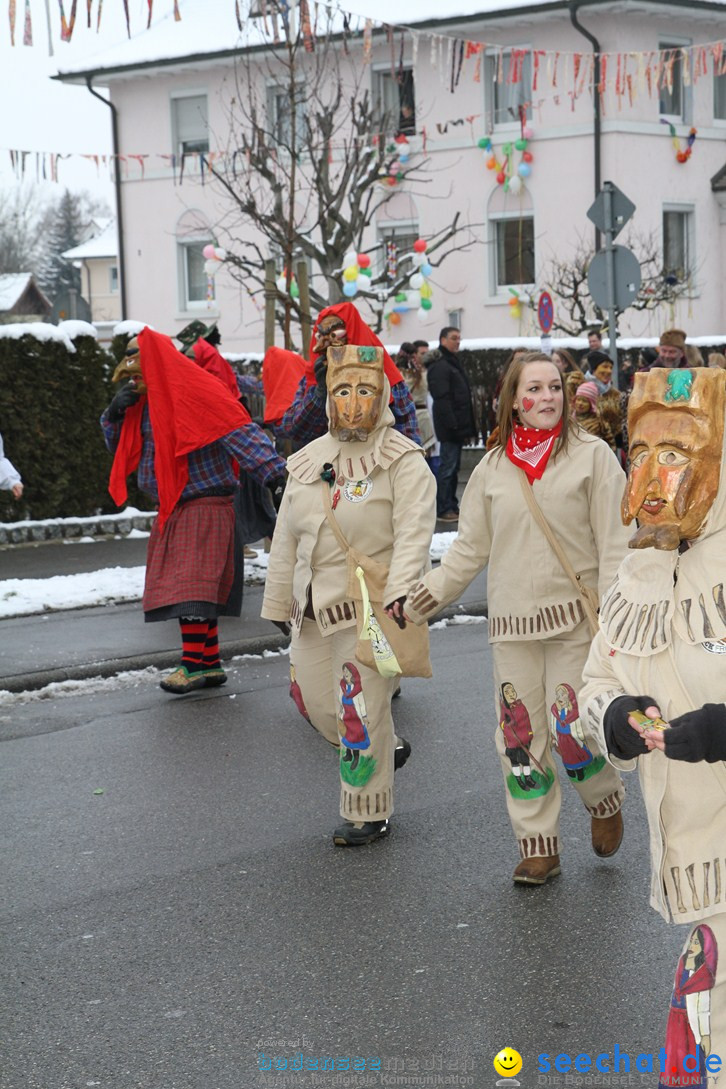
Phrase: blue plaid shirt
(210, 467)
(306, 420)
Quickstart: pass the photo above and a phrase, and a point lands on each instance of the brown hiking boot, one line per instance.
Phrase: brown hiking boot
(182, 681)
(536, 871)
(607, 834)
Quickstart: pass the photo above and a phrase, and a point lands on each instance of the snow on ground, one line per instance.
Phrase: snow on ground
(112, 585)
(461, 618)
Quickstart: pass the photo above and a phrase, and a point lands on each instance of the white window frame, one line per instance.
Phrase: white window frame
(491, 67)
(177, 143)
(719, 82)
(497, 289)
(672, 41)
(380, 74)
(273, 117)
(453, 318)
(689, 211)
(395, 229)
(186, 304)
(113, 285)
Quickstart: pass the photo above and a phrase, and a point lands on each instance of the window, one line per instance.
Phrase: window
(454, 319)
(674, 97)
(397, 242)
(677, 244)
(113, 279)
(509, 78)
(513, 251)
(195, 282)
(190, 126)
(279, 116)
(394, 100)
(719, 97)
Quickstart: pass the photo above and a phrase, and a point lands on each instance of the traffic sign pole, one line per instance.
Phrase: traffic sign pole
(610, 262)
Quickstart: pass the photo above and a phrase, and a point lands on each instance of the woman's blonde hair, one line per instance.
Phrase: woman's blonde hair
(717, 359)
(507, 394)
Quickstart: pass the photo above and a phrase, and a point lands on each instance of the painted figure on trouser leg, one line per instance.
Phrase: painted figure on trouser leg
(538, 619)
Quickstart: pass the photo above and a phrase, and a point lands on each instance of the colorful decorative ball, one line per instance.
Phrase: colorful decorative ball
(363, 283)
(520, 144)
(492, 163)
(350, 273)
(516, 312)
(426, 291)
(524, 170)
(401, 297)
(294, 290)
(421, 314)
(350, 289)
(351, 258)
(528, 132)
(515, 185)
(485, 143)
(208, 252)
(682, 157)
(220, 254)
(514, 301)
(210, 267)
(527, 157)
(418, 259)
(417, 281)
(394, 318)
(363, 260)
(368, 272)
(501, 177)
(506, 149)
(426, 304)
(420, 245)
(426, 269)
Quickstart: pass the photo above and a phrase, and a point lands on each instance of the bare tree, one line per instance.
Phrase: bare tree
(575, 309)
(309, 164)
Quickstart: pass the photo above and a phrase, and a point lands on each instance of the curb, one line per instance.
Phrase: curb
(167, 659)
(73, 528)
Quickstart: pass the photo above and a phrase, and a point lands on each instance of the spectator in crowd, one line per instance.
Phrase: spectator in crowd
(586, 414)
(10, 479)
(538, 625)
(453, 419)
(610, 400)
(181, 430)
(671, 349)
(410, 362)
(341, 324)
(693, 356)
(717, 359)
(594, 340)
(647, 358)
(564, 361)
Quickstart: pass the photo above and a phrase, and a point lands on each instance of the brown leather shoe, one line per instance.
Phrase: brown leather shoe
(536, 871)
(607, 834)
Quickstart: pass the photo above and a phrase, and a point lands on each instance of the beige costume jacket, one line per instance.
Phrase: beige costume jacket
(529, 594)
(386, 508)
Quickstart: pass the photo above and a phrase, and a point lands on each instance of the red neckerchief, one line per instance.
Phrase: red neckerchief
(188, 409)
(530, 447)
(358, 333)
(281, 374)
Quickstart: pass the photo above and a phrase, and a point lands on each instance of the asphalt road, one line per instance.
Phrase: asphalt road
(165, 933)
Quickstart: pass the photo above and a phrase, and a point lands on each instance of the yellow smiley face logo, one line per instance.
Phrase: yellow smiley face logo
(508, 1062)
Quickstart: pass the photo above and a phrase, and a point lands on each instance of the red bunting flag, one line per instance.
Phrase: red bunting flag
(148, 21)
(11, 16)
(27, 26)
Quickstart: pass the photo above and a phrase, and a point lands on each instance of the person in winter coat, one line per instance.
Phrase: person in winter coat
(366, 481)
(655, 686)
(453, 419)
(538, 625)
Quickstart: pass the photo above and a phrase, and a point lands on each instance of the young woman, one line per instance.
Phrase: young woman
(537, 624)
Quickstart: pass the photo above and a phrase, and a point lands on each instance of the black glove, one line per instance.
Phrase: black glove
(400, 620)
(283, 626)
(125, 398)
(321, 373)
(621, 739)
(277, 489)
(698, 735)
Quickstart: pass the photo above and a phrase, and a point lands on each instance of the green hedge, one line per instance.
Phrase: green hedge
(50, 403)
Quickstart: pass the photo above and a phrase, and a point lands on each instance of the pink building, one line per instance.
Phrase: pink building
(486, 70)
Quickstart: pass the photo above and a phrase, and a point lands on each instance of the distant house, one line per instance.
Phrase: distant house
(21, 299)
(97, 258)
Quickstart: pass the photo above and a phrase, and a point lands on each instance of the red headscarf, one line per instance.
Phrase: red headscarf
(212, 361)
(357, 333)
(281, 374)
(188, 409)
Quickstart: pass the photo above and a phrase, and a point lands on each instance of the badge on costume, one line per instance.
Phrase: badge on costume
(355, 491)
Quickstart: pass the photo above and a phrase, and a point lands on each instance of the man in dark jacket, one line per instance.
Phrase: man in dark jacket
(453, 419)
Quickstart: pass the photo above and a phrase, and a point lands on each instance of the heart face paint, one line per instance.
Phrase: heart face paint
(539, 395)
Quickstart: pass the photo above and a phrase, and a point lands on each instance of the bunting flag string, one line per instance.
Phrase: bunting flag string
(27, 25)
(12, 11)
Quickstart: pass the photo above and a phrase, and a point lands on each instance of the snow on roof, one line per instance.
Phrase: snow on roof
(104, 244)
(12, 286)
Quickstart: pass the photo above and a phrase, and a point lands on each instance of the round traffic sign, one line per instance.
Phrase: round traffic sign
(545, 312)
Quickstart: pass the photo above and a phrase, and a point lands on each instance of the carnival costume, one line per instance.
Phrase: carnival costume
(381, 494)
(661, 645)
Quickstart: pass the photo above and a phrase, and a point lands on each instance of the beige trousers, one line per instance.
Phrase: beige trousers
(350, 705)
(695, 1038)
(537, 684)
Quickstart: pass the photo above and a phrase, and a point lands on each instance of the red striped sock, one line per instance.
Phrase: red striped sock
(210, 659)
(194, 637)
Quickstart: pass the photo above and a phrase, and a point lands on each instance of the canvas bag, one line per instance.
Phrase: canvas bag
(410, 645)
(588, 596)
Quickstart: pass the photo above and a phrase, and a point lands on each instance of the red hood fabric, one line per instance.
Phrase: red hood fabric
(187, 408)
(281, 374)
(213, 362)
(357, 333)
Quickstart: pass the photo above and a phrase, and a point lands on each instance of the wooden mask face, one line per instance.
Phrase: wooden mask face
(355, 386)
(676, 426)
(130, 366)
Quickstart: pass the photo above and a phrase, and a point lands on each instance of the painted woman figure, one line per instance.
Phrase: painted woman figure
(353, 715)
(517, 730)
(688, 1031)
(567, 735)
